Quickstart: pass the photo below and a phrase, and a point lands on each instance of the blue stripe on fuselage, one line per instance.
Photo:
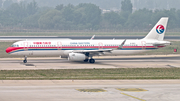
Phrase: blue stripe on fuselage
(81, 49)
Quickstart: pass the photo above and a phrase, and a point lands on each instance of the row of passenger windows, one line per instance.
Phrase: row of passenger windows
(130, 45)
(56, 46)
(111, 45)
(124, 45)
(64, 45)
(78, 45)
(14, 45)
(42, 45)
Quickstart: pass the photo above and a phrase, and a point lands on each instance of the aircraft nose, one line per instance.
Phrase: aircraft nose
(8, 49)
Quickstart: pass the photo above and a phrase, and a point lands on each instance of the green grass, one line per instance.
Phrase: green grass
(77, 33)
(89, 74)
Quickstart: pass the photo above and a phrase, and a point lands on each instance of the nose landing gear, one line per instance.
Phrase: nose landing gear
(25, 59)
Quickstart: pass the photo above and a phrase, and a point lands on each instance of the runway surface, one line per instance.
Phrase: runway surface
(68, 90)
(15, 38)
(91, 90)
(141, 61)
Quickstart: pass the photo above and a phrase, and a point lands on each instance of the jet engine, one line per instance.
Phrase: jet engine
(76, 57)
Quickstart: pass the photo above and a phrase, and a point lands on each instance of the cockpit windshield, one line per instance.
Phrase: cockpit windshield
(14, 45)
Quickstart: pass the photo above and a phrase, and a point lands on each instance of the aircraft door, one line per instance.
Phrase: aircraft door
(143, 44)
(100, 45)
(25, 45)
(59, 45)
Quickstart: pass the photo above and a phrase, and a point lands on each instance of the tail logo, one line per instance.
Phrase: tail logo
(160, 29)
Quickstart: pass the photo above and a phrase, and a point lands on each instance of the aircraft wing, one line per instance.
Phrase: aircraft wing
(92, 51)
(99, 51)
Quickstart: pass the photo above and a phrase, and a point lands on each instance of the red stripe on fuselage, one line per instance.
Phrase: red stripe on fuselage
(10, 49)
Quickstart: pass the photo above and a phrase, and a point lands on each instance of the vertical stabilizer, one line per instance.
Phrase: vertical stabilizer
(158, 30)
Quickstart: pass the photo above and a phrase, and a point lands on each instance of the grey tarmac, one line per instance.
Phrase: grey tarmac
(66, 90)
(141, 61)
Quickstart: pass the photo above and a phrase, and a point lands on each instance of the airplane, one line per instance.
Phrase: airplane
(84, 50)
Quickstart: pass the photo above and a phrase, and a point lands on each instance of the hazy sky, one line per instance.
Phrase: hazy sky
(114, 4)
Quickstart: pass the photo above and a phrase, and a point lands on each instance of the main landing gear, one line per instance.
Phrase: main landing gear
(25, 59)
(87, 59)
(90, 60)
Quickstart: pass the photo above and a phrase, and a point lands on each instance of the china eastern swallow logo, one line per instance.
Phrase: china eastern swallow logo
(160, 29)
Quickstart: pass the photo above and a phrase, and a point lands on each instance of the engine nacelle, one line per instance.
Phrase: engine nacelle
(77, 57)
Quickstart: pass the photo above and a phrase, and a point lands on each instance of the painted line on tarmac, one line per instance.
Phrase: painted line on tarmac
(18, 59)
(132, 89)
(133, 97)
(91, 90)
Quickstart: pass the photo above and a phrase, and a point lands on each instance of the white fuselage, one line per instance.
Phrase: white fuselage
(82, 50)
(64, 47)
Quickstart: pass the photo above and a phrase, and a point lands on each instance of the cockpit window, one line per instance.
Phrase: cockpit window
(14, 45)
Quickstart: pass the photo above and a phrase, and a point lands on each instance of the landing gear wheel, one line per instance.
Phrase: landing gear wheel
(91, 61)
(25, 61)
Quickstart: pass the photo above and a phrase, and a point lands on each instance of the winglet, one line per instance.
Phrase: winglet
(120, 46)
(92, 37)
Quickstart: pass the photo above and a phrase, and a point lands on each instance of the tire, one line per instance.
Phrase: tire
(91, 61)
(25, 61)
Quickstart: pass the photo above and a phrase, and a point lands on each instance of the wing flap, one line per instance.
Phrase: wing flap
(92, 51)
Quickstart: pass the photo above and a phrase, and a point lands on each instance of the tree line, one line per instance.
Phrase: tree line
(84, 16)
